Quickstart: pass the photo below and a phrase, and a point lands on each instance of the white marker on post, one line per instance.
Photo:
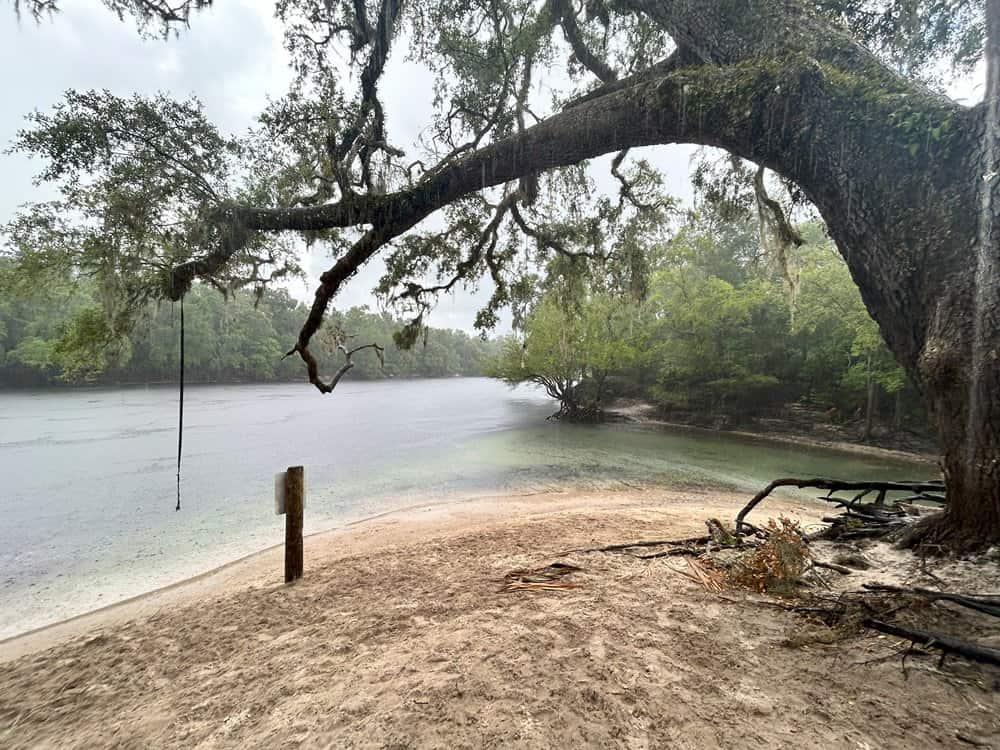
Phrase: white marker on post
(279, 493)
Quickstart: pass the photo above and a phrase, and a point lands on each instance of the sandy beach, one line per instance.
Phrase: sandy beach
(399, 636)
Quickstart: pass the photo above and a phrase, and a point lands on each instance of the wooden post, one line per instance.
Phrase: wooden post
(295, 486)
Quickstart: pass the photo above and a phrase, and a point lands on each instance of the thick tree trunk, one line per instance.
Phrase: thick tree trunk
(958, 373)
(959, 367)
(960, 380)
(972, 477)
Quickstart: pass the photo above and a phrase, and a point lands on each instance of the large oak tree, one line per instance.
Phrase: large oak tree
(834, 96)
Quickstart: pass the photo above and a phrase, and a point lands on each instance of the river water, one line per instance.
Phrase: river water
(87, 477)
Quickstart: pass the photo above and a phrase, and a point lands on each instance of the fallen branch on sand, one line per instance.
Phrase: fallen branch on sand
(842, 569)
(539, 585)
(652, 543)
(709, 578)
(776, 557)
(944, 643)
(672, 552)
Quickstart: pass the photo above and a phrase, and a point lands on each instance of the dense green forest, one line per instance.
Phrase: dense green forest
(725, 333)
(60, 336)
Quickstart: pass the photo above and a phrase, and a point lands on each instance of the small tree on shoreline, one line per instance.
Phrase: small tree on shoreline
(570, 352)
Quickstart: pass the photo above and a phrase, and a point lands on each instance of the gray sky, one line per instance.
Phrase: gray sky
(232, 59)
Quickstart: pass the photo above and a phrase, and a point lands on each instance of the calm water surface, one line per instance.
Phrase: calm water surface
(87, 486)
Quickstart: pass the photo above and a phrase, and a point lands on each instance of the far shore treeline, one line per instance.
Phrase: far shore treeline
(719, 334)
(228, 340)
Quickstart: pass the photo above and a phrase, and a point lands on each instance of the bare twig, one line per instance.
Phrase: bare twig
(842, 569)
(654, 543)
(344, 368)
(563, 10)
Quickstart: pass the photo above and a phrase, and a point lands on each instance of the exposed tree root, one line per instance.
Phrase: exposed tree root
(939, 534)
(775, 558)
(764, 567)
(577, 414)
(871, 519)
(899, 518)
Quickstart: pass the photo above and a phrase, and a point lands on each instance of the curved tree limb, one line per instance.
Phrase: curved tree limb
(330, 282)
(486, 241)
(546, 240)
(344, 368)
(675, 61)
(170, 16)
(787, 234)
(380, 39)
(626, 191)
(563, 10)
(349, 363)
(232, 241)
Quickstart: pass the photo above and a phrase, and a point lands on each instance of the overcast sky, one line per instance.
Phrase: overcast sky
(232, 59)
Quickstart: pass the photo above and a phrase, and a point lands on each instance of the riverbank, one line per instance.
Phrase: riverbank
(399, 636)
(776, 431)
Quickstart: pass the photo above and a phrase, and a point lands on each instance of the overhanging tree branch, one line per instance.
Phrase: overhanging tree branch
(768, 98)
(693, 105)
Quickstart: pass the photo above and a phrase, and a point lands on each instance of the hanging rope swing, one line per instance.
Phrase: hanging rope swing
(180, 412)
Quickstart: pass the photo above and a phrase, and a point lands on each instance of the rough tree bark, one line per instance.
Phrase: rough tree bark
(905, 180)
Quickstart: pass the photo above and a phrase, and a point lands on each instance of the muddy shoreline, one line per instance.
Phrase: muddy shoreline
(644, 413)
